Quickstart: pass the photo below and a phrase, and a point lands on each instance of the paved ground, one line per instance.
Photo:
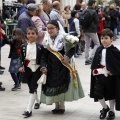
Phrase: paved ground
(12, 104)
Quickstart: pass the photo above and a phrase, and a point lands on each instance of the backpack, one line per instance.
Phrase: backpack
(85, 19)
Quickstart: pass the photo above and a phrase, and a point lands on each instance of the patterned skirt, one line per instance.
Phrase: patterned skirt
(14, 65)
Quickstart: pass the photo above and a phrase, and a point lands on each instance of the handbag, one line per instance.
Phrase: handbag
(42, 79)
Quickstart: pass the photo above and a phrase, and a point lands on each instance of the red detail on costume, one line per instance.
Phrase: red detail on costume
(18, 50)
(27, 62)
(95, 71)
(102, 66)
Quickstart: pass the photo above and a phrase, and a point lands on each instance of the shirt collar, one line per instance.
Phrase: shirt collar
(107, 46)
(56, 10)
(31, 43)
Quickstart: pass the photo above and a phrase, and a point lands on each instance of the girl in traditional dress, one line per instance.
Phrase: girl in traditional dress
(59, 85)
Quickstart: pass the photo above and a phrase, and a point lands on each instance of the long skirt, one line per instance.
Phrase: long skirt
(72, 94)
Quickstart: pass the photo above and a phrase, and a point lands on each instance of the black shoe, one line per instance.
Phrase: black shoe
(104, 112)
(88, 62)
(1, 72)
(19, 86)
(2, 88)
(0, 83)
(2, 68)
(15, 88)
(61, 111)
(37, 106)
(27, 114)
(111, 115)
(55, 111)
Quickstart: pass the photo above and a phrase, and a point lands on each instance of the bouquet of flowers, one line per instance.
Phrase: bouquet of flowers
(70, 41)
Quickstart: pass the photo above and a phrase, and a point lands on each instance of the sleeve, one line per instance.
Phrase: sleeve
(6, 40)
(61, 20)
(70, 53)
(95, 18)
(24, 24)
(43, 63)
(38, 25)
(77, 26)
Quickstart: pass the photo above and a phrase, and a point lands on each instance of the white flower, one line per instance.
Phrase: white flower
(76, 39)
(68, 37)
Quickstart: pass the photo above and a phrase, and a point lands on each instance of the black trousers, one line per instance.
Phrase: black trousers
(105, 87)
(32, 78)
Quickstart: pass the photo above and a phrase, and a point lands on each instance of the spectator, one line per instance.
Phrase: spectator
(46, 10)
(113, 19)
(23, 7)
(107, 17)
(55, 13)
(90, 33)
(74, 28)
(39, 24)
(24, 21)
(101, 22)
(83, 6)
(66, 15)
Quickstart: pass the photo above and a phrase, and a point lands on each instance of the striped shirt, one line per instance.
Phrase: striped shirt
(55, 15)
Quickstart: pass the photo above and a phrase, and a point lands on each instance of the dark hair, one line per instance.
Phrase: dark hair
(90, 2)
(18, 37)
(66, 7)
(30, 1)
(73, 13)
(77, 7)
(54, 22)
(32, 28)
(107, 32)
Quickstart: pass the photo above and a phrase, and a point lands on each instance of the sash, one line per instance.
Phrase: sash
(60, 57)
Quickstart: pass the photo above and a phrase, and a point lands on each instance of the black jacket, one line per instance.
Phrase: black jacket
(112, 65)
(13, 50)
(92, 28)
(39, 49)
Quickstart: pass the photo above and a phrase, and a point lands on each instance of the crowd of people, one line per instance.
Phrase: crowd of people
(37, 48)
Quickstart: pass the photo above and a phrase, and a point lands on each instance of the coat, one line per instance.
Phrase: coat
(38, 53)
(112, 65)
(39, 25)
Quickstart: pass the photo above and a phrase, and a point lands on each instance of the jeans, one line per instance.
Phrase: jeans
(115, 33)
(15, 78)
(88, 37)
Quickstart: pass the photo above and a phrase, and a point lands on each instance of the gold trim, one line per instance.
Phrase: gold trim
(60, 57)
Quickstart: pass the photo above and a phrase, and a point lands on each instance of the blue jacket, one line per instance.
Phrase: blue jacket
(24, 21)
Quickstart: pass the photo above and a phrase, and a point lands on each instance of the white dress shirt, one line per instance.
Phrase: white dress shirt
(31, 55)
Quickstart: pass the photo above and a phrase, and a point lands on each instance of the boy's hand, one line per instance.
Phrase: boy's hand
(109, 73)
(44, 71)
(21, 69)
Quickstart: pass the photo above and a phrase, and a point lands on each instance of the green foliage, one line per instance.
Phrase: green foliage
(99, 2)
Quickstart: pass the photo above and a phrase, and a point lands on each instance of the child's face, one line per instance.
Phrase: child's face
(106, 40)
(76, 15)
(31, 35)
(52, 30)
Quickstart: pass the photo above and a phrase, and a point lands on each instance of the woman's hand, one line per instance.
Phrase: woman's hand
(44, 71)
(21, 69)
(66, 60)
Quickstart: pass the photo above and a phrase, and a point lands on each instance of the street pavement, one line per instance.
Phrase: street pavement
(13, 103)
